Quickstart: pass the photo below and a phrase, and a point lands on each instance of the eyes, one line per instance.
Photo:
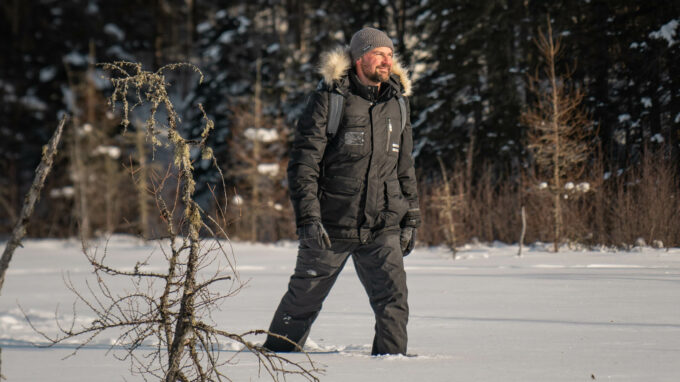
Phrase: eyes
(389, 55)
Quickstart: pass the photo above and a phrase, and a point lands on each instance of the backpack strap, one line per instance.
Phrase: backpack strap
(336, 103)
(402, 111)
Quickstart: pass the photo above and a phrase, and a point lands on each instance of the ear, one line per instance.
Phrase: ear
(357, 64)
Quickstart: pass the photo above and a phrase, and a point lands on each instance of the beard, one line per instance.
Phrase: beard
(375, 75)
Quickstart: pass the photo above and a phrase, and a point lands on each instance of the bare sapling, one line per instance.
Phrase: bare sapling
(558, 127)
(523, 231)
(41, 172)
(162, 320)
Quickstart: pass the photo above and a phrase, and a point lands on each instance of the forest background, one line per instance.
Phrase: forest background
(470, 62)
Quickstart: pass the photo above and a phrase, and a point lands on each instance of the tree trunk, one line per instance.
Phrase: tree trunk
(142, 197)
(555, 99)
(81, 186)
(257, 116)
(448, 210)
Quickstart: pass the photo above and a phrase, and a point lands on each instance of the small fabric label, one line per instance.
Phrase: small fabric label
(354, 138)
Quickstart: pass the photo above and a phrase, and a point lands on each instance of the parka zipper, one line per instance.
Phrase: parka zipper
(389, 134)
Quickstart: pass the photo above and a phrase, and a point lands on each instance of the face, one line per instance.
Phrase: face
(376, 64)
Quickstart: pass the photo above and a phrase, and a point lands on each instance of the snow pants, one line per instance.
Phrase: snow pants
(380, 267)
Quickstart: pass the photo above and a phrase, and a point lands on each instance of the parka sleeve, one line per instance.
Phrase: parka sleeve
(407, 173)
(306, 155)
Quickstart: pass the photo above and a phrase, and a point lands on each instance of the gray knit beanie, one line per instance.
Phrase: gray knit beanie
(366, 39)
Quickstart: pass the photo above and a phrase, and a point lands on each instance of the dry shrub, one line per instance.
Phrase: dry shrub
(489, 211)
(640, 203)
(644, 203)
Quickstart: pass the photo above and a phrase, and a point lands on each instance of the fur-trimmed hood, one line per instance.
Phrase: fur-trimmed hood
(335, 64)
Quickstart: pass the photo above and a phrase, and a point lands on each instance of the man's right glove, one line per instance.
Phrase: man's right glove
(313, 235)
(407, 240)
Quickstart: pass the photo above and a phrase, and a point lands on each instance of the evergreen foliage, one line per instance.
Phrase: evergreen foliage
(469, 59)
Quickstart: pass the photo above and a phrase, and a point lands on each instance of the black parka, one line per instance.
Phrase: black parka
(361, 180)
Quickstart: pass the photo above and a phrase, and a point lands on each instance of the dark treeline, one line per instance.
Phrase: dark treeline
(469, 60)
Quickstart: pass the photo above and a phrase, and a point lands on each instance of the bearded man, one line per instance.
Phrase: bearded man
(353, 191)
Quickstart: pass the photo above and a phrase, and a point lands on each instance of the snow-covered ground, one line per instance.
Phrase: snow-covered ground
(487, 316)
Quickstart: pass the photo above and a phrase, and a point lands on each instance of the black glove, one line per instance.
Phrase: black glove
(412, 218)
(407, 240)
(313, 235)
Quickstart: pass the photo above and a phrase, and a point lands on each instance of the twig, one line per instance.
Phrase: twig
(524, 229)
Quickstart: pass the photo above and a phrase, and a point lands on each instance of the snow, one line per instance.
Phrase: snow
(64, 192)
(75, 58)
(666, 32)
(115, 31)
(583, 187)
(261, 134)
(444, 79)
(646, 102)
(658, 138)
(213, 52)
(273, 48)
(47, 73)
(270, 169)
(68, 98)
(203, 27)
(432, 108)
(487, 316)
(227, 37)
(33, 103)
(92, 8)
(244, 23)
(111, 151)
(422, 17)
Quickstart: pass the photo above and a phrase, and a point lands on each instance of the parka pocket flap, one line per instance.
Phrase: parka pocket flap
(393, 188)
(355, 121)
(341, 185)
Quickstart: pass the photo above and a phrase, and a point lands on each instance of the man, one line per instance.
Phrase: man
(354, 193)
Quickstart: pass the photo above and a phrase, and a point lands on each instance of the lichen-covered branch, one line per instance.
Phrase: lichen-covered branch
(19, 231)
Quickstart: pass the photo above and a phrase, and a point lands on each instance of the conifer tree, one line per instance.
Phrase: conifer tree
(558, 127)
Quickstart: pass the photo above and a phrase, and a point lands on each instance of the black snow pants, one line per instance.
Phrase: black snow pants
(380, 268)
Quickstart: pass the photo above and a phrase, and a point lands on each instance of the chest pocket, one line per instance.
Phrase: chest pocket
(354, 138)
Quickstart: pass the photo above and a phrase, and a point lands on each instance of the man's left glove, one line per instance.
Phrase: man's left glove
(407, 240)
(313, 235)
